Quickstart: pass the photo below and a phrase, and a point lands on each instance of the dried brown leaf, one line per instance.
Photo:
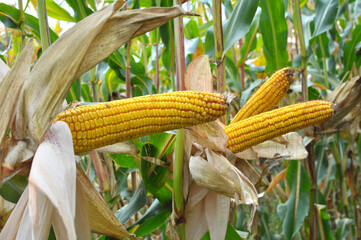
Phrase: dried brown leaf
(209, 135)
(121, 148)
(277, 179)
(216, 213)
(10, 87)
(198, 75)
(196, 225)
(102, 220)
(207, 176)
(82, 215)
(289, 145)
(242, 185)
(249, 171)
(347, 97)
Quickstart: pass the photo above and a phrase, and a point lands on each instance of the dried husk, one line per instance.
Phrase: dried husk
(347, 97)
(209, 135)
(74, 53)
(101, 218)
(52, 185)
(121, 148)
(198, 75)
(207, 176)
(10, 86)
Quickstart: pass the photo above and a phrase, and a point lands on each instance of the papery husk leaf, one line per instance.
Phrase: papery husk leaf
(82, 224)
(347, 97)
(3, 70)
(121, 148)
(12, 225)
(289, 145)
(245, 190)
(10, 87)
(210, 135)
(242, 184)
(43, 209)
(53, 173)
(196, 224)
(248, 170)
(196, 195)
(247, 154)
(101, 218)
(198, 75)
(207, 176)
(24, 230)
(217, 212)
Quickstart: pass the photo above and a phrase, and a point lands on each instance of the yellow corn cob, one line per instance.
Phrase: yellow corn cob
(98, 125)
(268, 95)
(268, 125)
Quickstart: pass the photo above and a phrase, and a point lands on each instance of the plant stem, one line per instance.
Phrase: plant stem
(156, 66)
(325, 73)
(43, 24)
(178, 173)
(93, 84)
(179, 51)
(7, 45)
(240, 42)
(178, 165)
(312, 195)
(218, 41)
(145, 58)
(128, 70)
(297, 17)
(172, 53)
(22, 23)
(128, 67)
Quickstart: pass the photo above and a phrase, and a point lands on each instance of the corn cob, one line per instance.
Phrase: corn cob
(94, 126)
(268, 125)
(268, 95)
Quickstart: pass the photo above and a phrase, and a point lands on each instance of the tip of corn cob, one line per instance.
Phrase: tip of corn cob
(98, 125)
(268, 95)
(265, 126)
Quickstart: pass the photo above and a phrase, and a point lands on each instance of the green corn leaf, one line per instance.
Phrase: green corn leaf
(138, 200)
(326, 12)
(10, 16)
(57, 12)
(234, 28)
(274, 31)
(298, 202)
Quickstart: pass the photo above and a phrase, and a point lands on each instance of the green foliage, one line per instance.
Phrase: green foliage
(259, 38)
(274, 30)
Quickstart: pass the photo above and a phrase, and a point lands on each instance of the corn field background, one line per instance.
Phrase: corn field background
(235, 46)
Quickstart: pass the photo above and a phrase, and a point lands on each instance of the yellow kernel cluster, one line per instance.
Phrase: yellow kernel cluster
(268, 95)
(268, 125)
(94, 126)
